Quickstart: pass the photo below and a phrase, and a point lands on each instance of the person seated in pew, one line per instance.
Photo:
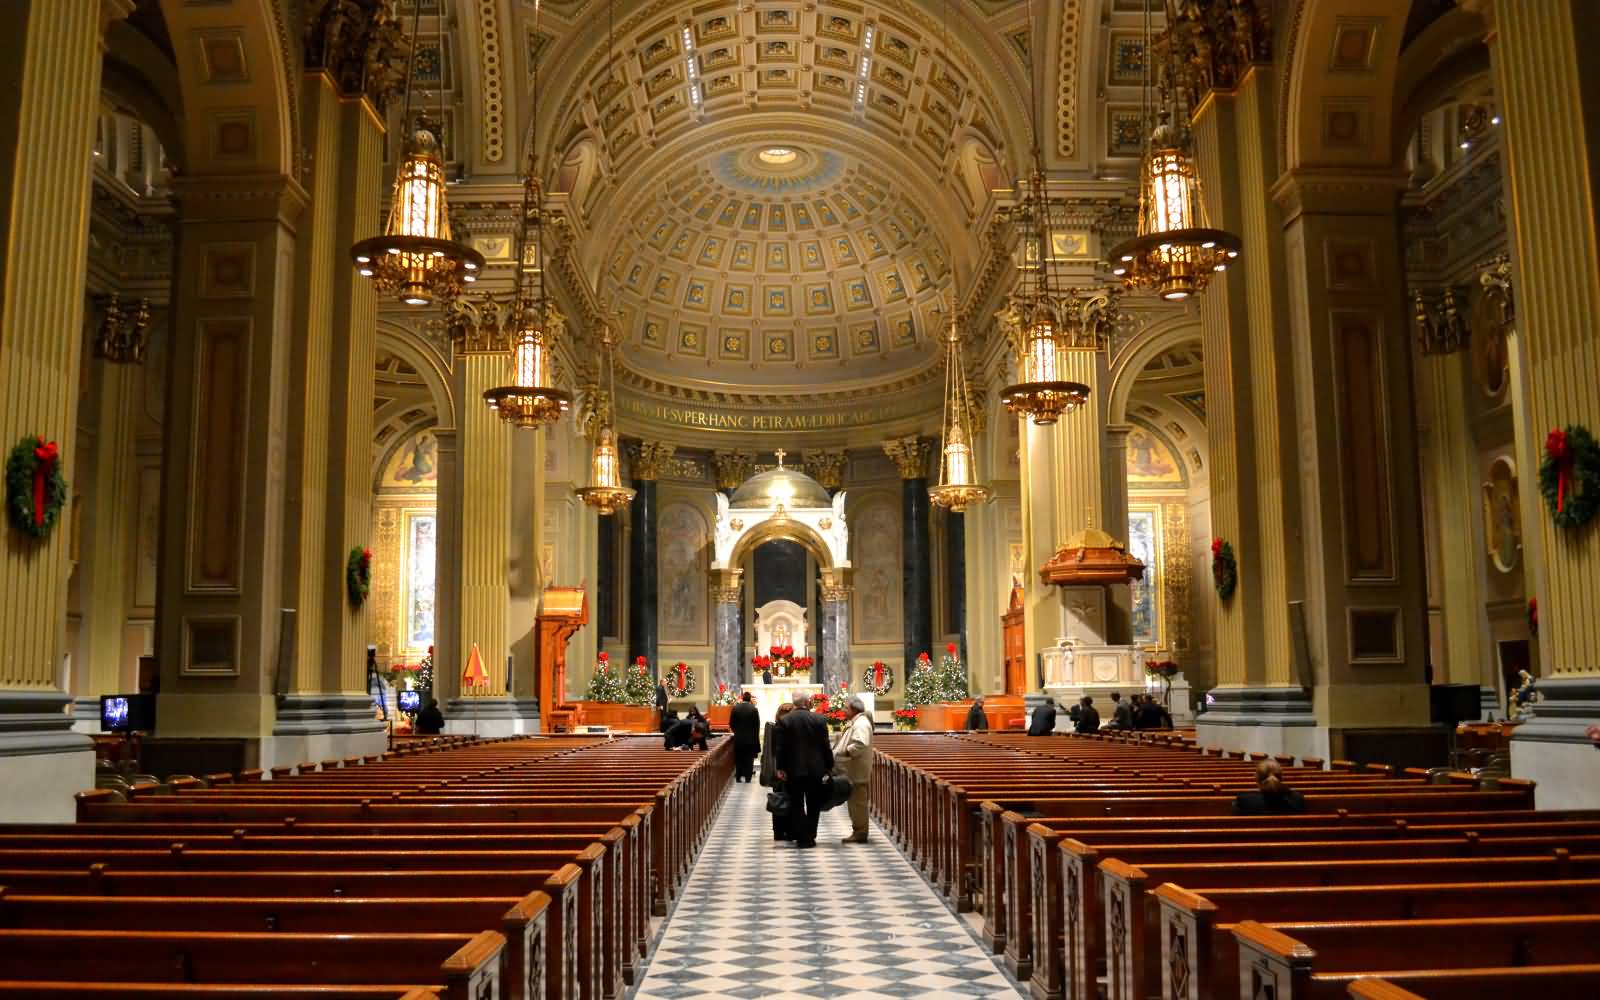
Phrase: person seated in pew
(686, 735)
(1088, 716)
(1151, 714)
(430, 721)
(1121, 711)
(976, 720)
(1275, 797)
(1043, 722)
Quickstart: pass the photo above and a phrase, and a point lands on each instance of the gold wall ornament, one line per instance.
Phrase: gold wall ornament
(361, 44)
(1493, 317)
(1210, 45)
(1175, 569)
(733, 467)
(121, 335)
(1439, 323)
(484, 326)
(825, 466)
(650, 459)
(910, 456)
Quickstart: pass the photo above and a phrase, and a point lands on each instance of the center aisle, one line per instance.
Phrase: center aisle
(853, 921)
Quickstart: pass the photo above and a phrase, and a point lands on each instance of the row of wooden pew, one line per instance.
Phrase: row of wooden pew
(525, 868)
(1113, 861)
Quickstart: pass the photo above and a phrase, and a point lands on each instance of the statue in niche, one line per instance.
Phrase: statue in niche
(1502, 530)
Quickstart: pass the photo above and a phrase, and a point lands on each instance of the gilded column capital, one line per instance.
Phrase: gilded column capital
(729, 595)
(836, 592)
(651, 458)
(825, 466)
(733, 467)
(910, 455)
(1216, 42)
(361, 44)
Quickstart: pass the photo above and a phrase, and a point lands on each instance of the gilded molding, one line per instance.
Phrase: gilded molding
(489, 60)
(651, 458)
(910, 456)
(361, 44)
(825, 466)
(733, 467)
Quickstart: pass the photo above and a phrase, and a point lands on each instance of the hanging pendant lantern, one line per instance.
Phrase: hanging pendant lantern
(530, 400)
(605, 492)
(958, 480)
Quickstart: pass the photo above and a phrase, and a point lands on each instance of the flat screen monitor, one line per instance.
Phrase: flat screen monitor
(410, 701)
(121, 713)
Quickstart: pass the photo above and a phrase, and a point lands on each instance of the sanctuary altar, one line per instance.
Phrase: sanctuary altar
(768, 697)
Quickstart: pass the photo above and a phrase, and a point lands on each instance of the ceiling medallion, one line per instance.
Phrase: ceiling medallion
(777, 156)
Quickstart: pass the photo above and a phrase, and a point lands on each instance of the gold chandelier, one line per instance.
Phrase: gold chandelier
(958, 479)
(531, 398)
(1175, 252)
(415, 258)
(605, 492)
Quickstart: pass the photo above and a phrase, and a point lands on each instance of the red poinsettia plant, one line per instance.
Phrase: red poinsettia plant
(905, 718)
(762, 662)
(781, 652)
(803, 662)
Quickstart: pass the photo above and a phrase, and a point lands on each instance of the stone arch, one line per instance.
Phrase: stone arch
(435, 372)
(235, 71)
(1137, 353)
(791, 530)
(1338, 109)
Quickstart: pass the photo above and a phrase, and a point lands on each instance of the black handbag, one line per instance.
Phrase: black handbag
(838, 790)
(778, 802)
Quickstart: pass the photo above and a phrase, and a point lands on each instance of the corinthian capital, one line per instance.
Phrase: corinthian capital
(910, 456)
(650, 458)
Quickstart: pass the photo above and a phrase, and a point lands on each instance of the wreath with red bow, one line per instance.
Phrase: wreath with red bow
(358, 576)
(1569, 476)
(878, 678)
(35, 489)
(1224, 568)
(680, 679)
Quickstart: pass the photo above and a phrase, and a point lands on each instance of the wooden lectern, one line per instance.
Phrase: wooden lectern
(562, 612)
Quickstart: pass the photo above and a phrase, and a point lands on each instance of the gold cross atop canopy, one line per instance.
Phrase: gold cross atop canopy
(780, 453)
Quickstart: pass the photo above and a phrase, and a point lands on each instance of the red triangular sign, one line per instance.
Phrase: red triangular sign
(474, 676)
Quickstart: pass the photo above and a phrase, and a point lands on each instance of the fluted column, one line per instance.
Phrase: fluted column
(52, 55)
(910, 456)
(1550, 134)
(483, 492)
(650, 459)
(326, 710)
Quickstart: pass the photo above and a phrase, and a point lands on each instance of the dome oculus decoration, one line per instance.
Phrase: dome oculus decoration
(777, 156)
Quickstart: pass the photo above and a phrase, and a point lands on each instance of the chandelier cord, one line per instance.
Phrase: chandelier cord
(411, 64)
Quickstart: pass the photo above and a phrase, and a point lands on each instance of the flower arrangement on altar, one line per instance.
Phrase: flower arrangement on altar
(406, 676)
(680, 680)
(723, 695)
(878, 678)
(801, 664)
(905, 718)
(825, 706)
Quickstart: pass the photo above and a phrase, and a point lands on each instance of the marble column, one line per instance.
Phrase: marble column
(835, 622)
(477, 574)
(910, 456)
(727, 652)
(326, 709)
(650, 459)
(955, 580)
(1550, 134)
(1261, 698)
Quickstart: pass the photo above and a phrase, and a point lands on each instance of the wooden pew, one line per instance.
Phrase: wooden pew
(1549, 982)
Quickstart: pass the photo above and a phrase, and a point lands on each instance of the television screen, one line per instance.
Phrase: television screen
(120, 713)
(410, 701)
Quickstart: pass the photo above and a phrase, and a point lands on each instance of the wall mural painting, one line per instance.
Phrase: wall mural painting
(421, 539)
(683, 539)
(415, 463)
(875, 541)
(1144, 544)
(1151, 460)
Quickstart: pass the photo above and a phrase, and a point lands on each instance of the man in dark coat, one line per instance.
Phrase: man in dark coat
(1088, 716)
(430, 721)
(744, 722)
(1273, 797)
(661, 699)
(1121, 711)
(805, 757)
(689, 734)
(976, 720)
(1043, 722)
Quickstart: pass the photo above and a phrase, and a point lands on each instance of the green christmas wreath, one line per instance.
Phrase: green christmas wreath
(1224, 568)
(1569, 476)
(35, 489)
(358, 576)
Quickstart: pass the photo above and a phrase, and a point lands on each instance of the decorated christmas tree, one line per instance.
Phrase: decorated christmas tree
(922, 682)
(952, 676)
(638, 688)
(604, 684)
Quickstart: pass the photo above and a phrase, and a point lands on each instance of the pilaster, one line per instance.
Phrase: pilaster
(52, 58)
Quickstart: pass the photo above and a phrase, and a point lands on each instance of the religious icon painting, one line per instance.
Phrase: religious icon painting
(744, 256)
(843, 251)
(662, 48)
(730, 213)
(664, 286)
(847, 206)
(752, 217)
(893, 287)
(680, 246)
(660, 235)
(924, 279)
(777, 218)
(811, 256)
(802, 217)
(777, 256)
(715, 27)
(819, 300)
(777, 18)
(838, 26)
(694, 295)
(635, 275)
(875, 247)
(707, 207)
(825, 213)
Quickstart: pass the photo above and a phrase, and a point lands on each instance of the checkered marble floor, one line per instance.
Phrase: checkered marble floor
(759, 918)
